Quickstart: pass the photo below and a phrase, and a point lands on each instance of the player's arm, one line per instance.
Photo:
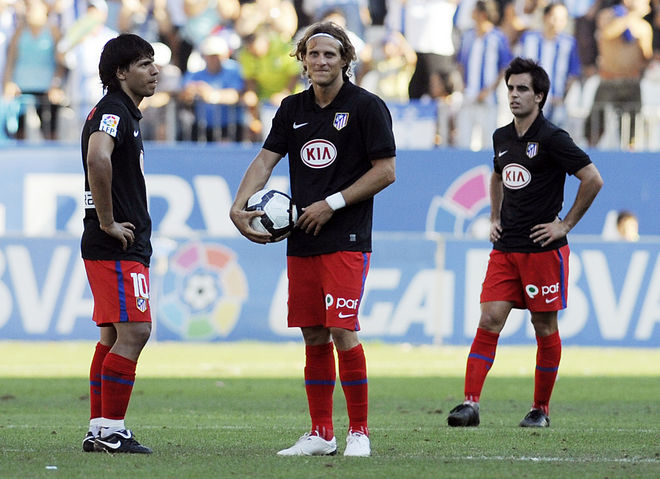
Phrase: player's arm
(99, 175)
(254, 179)
(381, 174)
(590, 184)
(496, 195)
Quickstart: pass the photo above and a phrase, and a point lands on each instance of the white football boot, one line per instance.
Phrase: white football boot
(311, 445)
(358, 445)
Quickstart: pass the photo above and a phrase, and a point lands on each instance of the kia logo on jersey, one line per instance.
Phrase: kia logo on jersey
(515, 176)
(318, 153)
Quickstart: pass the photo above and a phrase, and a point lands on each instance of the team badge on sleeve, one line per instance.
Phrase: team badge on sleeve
(341, 119)
(109, 124)
(532, 149)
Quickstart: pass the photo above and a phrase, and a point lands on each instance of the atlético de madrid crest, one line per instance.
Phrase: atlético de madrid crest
(532, 149)
(341, 119)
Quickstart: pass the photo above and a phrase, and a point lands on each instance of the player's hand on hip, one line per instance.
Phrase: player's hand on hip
(546, 233)
(122, 232)
(314, 217)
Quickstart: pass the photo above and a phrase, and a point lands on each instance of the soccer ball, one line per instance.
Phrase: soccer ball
(280, 213)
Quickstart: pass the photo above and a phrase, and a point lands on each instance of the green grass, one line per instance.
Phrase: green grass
(223, 410)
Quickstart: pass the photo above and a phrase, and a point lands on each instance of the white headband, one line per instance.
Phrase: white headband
(327, 35)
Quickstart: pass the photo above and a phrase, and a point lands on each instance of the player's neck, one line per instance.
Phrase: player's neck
(137, 99)
(522, 123)
(324, 94)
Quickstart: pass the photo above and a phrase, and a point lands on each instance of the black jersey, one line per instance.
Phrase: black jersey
(533, 169)
(329, 149)
(117, 115)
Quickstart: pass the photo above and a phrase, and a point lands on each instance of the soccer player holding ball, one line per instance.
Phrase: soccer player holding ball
(116, 241)
(341, 150)
(528, 267)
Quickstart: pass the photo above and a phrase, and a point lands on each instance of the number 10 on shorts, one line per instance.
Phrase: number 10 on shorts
(140, 287)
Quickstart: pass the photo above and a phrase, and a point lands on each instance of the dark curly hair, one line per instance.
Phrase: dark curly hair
(119, 54)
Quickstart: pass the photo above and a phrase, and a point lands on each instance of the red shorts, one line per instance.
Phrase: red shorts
(325, 290)
(534, 281)
(120, 290)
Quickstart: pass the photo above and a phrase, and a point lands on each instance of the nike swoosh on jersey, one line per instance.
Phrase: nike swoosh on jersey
(342, 315)
(136, 133)
(551, 300)
(502, 153)
(298, 125)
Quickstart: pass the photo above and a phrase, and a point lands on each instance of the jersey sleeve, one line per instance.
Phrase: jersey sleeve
(570, 157)
(277, 140)
(377, 125)
(111, 118)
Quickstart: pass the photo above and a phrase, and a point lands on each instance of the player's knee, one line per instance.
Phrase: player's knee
(491, 322)
(344, 339)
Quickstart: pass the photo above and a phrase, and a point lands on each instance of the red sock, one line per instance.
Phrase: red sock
(320, 377)
(95, 380)
(479, 362)
(117, 378)
(353, 376)
(548, 355)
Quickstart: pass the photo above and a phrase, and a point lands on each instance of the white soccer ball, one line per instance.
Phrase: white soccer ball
(280, 212)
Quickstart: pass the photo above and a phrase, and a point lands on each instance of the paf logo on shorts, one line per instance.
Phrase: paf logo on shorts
(318, 153)
(531, 290)
(339, 303)
(515, 176)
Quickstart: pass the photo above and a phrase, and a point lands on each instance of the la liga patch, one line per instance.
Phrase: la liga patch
(109, 124)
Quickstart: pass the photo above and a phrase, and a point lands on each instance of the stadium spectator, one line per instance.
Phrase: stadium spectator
(584, 12)
(483, 56)
(160, 111)
(276, 16)
(528, 266)
(203, 18)
(556, 52)
(33, 75)
(391, 70)
(81, 47)
(270, 74)
(328, 251)
(512, 24)
(627, 226)
(116, 241)
(363, 50)
(215, 94)
(625, 46)
(149, 19)
(356, 12)
(427, 27)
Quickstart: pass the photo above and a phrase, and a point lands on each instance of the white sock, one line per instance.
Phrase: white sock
(95, 426)
(111, 426)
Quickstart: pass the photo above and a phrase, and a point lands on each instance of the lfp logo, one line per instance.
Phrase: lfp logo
(466, 198)
(202, 292)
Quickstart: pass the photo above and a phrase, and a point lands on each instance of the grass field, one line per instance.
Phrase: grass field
(223, 410)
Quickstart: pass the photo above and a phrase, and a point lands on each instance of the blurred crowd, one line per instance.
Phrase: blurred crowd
(225, 64)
